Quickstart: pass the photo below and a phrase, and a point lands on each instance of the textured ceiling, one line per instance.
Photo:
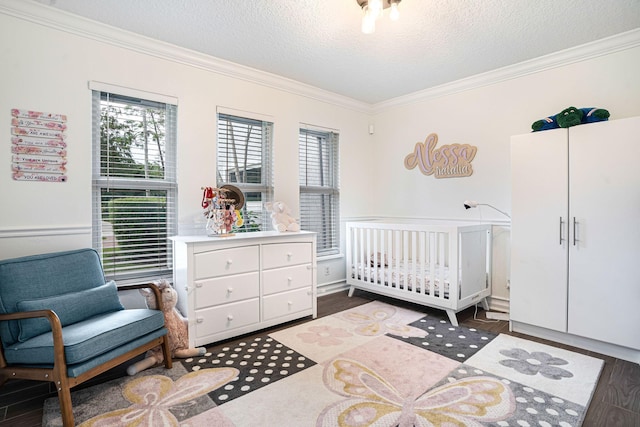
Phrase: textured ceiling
(318, 42)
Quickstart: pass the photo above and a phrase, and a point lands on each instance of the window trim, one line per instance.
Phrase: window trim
(100, 181)
(333, 191)
(266, 187)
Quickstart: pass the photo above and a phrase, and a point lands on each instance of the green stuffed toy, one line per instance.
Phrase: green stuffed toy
(571, 116)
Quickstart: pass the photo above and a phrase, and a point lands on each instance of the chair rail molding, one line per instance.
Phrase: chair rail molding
(14, 232)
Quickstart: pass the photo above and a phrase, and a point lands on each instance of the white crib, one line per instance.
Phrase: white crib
(444, 265)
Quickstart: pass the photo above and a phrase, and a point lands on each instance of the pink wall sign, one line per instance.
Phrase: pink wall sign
(38, 146)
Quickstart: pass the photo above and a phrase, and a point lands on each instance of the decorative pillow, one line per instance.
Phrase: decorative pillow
(70, 308)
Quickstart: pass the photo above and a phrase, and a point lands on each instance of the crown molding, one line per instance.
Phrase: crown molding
(63, 21)
(73, 24)
(602, 47)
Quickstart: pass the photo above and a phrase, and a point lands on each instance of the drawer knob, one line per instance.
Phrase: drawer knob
(199, 320)
(198, 285)
(230, 317)
(229, 289)
(289, 255)
(289, 279)
(229, 261)
(290, 303)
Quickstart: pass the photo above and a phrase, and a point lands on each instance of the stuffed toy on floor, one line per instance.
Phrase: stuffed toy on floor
(176, 326)
(571, 116)
(281, 217)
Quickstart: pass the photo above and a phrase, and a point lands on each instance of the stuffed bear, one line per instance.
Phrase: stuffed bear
(177, 329)
(281, 217)
(571, 116)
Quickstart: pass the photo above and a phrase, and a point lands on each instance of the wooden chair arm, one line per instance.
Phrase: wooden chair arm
(56, 329)
(152, 286)
(50, 314)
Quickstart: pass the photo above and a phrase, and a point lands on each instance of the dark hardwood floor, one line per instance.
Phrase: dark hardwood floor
(615, 403)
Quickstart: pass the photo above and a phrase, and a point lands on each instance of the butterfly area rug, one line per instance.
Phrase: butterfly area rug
(373, 365)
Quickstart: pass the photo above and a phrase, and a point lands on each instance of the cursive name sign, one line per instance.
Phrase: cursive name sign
(448, 161)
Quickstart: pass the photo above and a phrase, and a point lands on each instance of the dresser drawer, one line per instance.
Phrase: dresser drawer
(284, 254)
(285, 303)
(227, 317)
(225, 262)
(286, 279)
(222, 290)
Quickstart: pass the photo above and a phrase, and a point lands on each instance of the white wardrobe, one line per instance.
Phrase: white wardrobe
(575, 260)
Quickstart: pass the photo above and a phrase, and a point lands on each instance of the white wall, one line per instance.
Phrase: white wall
(48, 69)
(46, 66)
(487, 117)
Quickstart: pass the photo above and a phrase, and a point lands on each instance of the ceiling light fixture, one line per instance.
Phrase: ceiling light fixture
(372, 10)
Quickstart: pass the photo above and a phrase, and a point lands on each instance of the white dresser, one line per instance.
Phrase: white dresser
(229, 286)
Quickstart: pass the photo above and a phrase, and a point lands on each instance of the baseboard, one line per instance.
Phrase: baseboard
(496, 315)
(613, 350)
(332, 288)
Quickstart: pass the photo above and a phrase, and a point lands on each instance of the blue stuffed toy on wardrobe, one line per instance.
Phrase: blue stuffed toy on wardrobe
(571, 116)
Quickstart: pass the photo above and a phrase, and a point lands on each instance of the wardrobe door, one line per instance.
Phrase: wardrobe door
(539, 229)
(604, 252)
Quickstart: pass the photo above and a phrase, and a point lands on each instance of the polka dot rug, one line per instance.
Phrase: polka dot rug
(372, 365)
(260, 360)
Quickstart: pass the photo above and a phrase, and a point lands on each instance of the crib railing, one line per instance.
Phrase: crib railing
(416, 259)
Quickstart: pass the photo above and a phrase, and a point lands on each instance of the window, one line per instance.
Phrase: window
(244, 160)
(319, 192)
(134, 185)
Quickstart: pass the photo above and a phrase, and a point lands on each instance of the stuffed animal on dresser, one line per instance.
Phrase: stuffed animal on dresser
(176, 325)
(281, 217)
(571, 116)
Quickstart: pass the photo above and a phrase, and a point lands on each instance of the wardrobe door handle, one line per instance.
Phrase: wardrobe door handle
(561, 223)
(575, 227)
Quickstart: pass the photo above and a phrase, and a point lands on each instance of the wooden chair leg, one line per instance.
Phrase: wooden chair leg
(168, 362)
(66, 409)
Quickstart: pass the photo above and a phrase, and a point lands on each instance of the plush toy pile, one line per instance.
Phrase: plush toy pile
(571, 116)
(176, 326)
(281, 217)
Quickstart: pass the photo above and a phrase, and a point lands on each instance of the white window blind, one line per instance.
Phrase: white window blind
(134, 185)
(244, 160)
(319, 188)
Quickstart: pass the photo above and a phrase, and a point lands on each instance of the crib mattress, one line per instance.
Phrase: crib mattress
(404, 277)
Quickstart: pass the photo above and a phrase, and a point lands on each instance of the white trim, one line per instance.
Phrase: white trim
(43, 231)
(63, 21)
(405, 219)
(134, 93)
(499, 304)
(316, 128)
(330, 257)
(332, 287)
(245, 114)
(624, 353)
(602, 47)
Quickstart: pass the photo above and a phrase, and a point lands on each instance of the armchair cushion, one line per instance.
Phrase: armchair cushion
(71, 308)
(42, 276)
(89, 338)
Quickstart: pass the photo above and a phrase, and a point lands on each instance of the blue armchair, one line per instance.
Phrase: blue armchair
(60, 322)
